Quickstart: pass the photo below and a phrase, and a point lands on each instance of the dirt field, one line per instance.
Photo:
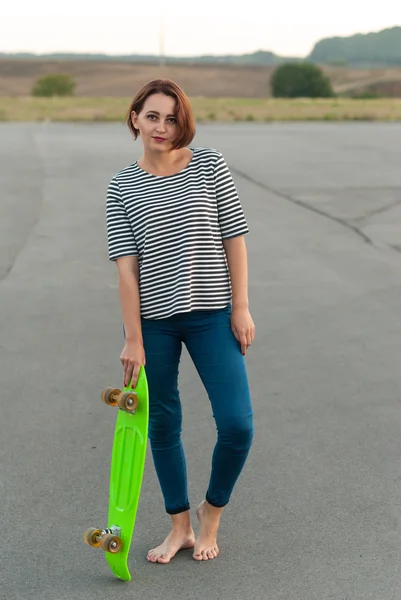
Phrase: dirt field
(122, 79)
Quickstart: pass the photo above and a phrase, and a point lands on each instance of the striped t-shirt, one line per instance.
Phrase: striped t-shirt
(175, 226)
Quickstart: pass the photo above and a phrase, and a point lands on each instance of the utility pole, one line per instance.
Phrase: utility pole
(162, 60)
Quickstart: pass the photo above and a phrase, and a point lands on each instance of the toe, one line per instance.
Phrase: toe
(210, 554)
(204, 555)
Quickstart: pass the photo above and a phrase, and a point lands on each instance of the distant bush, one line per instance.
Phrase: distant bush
(300, 80)
(56, 84)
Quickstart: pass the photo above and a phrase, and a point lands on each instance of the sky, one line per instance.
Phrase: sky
(286, 27)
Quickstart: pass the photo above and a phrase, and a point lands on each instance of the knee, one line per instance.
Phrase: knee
(238, 434)
(164, 428)
(164, 438)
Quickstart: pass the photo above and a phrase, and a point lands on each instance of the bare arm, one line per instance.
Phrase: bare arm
(128, 285)
(237, 260)
(133, 355)
(241, 321)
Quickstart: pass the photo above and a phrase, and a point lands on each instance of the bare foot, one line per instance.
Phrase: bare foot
(178, 539)
(206, 544)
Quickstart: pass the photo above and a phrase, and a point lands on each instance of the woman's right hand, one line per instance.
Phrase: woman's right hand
(132, 358)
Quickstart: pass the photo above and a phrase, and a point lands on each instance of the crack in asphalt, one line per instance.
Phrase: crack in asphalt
(378, 211)
(28, 235)
(311, 208)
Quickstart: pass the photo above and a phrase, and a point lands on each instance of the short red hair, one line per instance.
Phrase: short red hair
(183, 109)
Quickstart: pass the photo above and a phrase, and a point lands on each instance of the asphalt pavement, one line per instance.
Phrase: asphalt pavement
(315, 514)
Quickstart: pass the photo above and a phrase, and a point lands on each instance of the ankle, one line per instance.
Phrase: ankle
(182, 521)
(213, 510)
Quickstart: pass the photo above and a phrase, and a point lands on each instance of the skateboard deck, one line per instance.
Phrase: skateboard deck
(126, 474)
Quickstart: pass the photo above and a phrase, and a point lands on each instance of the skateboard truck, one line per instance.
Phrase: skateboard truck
(113, 530)
(108, 539)
(127, 401)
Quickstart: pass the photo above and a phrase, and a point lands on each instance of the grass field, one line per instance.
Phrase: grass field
(79, 109)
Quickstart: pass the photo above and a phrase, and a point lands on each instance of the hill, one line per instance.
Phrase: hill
(260, 57)
(359, 64)
(379, 49)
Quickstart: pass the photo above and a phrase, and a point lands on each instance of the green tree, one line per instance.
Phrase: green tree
(56, 84)
(300, 80)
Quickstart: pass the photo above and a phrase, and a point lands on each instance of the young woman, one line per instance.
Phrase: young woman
(176, 232)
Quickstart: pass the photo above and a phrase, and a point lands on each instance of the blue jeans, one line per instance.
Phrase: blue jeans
(217, 357)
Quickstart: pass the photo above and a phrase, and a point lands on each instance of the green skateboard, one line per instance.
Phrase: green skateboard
(126, 473)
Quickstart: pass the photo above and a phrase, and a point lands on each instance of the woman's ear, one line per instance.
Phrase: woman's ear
(134, 120)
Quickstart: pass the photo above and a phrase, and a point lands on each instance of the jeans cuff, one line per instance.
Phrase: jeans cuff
(176, 511)
(215, 504)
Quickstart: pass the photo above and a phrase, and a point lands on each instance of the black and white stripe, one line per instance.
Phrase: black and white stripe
(175, 226)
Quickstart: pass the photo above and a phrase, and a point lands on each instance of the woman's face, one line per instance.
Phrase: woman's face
(156, 122)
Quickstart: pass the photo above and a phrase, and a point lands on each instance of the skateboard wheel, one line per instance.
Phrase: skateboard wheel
(127, 401)
(111, 543)
(110, 396)
(92, 537)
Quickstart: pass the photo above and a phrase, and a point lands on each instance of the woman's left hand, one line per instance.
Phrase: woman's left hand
(243, 327)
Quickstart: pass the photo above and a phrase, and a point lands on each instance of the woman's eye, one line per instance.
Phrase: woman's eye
(170, 120)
